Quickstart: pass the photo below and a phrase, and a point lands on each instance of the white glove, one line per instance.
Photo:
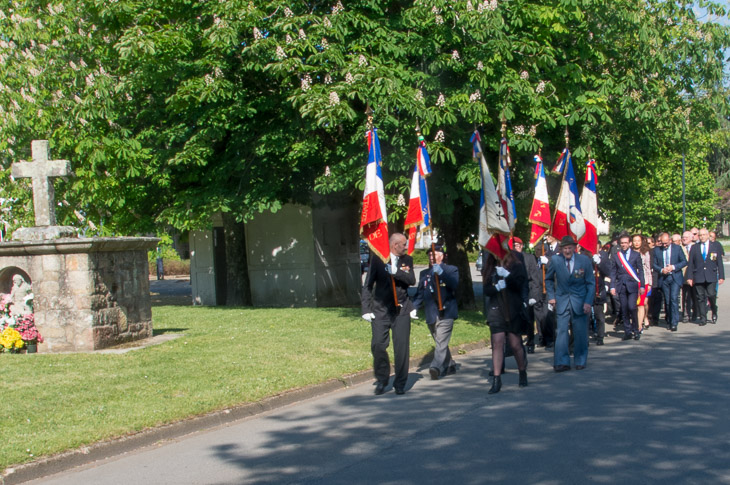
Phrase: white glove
(501, 285)
(531, 301)
(550, 307)
(597, 258)
(369, 317)
(437, 269)
(414, 315)
(543, 260)
(502, 272)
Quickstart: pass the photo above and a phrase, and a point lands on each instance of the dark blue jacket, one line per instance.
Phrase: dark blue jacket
(708, 269)
(620, 278)
(676, 258)
(426, 294)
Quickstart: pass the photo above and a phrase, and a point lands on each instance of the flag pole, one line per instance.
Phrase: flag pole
(544, 290)
(370, 127)
(560, 194)
(505, 302)
(430, 226)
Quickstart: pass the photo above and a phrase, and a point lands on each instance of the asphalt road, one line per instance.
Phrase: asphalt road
(651, 411)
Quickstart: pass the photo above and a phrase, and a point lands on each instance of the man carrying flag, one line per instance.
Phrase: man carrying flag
(385, 301)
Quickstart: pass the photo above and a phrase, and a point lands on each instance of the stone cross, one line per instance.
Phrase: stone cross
(40, 170)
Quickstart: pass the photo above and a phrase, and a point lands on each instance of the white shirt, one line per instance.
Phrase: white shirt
(394, 262)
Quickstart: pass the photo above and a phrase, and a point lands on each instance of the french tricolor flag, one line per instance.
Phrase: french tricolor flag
(374, 220)
(419, 212)
(568, 218)
(589, 205)
(540, 211)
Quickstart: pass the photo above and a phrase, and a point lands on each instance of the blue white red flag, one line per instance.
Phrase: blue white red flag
(419, 211)
(568, 218)
(560, 164)
(589, 206)
(374, 219)
(493, 225)
(540, 211)
(423, 161)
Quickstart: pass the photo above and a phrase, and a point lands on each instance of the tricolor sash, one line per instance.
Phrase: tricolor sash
(627, 266)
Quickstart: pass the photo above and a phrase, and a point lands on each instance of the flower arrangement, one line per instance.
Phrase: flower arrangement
(17, 329)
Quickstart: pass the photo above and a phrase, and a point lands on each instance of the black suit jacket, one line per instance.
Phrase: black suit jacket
(706, 270)
(427, 297)
(621, 278)
(377, 294)
(602, 271)
(676, 258)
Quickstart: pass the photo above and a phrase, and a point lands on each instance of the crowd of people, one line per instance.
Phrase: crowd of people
(557, 297)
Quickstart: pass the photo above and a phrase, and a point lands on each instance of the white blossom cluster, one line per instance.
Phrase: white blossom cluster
(327, 79)
(525, 75)
(401, 200)
(349, 79)
(475, 96)
(288, 13)
(302, 35)
(455, 56)
(327, 171)
(487, 6)
(418, 96)
(306, 82)
(540, 88)
(519, 130)
(257, 35)
(480, 66)
(439, 20)
(441, 101)
(324, 43)
(288, 39)
(208, 79)
(439, 138)
(280, 52)
(469, 6)
(362, 62)
(533, 130)
(334, 98)
(327, 24)
(337, 8)
(217, 72)
(635, 95)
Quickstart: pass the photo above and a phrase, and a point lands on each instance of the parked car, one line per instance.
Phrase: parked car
(364, 256)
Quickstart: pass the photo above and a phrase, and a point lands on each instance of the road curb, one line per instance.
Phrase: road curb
(118, 446)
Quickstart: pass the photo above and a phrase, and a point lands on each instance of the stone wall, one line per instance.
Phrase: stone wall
(88, 293)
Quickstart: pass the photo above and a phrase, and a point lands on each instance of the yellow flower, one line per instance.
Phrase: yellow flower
(19, 344)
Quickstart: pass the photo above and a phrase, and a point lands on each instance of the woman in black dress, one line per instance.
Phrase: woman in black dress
(503, 285)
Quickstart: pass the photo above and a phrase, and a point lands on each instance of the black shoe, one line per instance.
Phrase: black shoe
(435, 373)
(523, 378)
(714, 318)
(599, 341)
(683, 319)
(637, 336)
(530, 349)
(627, 336)
(380, 388)
(491, 372)
(496, 385)
(580, 367)
(702, 323)
(400, 390)
(673, 329)
(451, 370)
(549, 346)
(561, 368)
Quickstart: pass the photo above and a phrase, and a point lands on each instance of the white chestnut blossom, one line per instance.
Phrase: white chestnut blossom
(280, 52)
(334, 98)
(439, 138)
(441, 101)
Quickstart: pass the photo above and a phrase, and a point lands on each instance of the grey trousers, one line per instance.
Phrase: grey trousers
(441, 333)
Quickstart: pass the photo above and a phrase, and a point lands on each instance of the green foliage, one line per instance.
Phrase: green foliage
(171, 112)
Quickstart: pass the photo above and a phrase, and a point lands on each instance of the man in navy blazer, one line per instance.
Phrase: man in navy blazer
(705, 270)
(627, 281)
(571, 288)
(668, 260)
(440, 322)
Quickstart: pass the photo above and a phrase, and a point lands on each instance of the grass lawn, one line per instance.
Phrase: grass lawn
(226, 356)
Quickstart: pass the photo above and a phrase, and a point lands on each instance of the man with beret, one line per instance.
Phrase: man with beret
(571, 288)
(439, 280)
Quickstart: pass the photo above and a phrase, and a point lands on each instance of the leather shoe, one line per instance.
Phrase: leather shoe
(637, 336)
(530, 349)
(580, 367)
(627, 336)
(561, 368)
(451, 370)
(380, 388)
(599, 341)
(400, 390)
(702, 323)
(435, 373)
(674, 328)
(714, 318)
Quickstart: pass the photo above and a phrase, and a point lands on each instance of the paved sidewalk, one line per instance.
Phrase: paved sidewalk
(642, 412)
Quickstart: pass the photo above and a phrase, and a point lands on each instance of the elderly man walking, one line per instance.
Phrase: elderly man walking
(705, 271)
(668, 260)
(571, 288)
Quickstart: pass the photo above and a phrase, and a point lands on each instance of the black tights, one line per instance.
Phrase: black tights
(515, 341)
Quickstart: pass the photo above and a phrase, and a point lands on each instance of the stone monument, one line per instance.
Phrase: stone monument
(89, 293)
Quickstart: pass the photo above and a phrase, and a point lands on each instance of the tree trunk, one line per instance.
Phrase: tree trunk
(458, 256)
(238, 286)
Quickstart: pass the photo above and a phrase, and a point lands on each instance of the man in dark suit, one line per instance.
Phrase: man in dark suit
(571, 288)
(601, 271)
(545, 313)
(668, 260)
(627, 281)
(440, 322)
(386, 314)
(704, 271)
(690, 306)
